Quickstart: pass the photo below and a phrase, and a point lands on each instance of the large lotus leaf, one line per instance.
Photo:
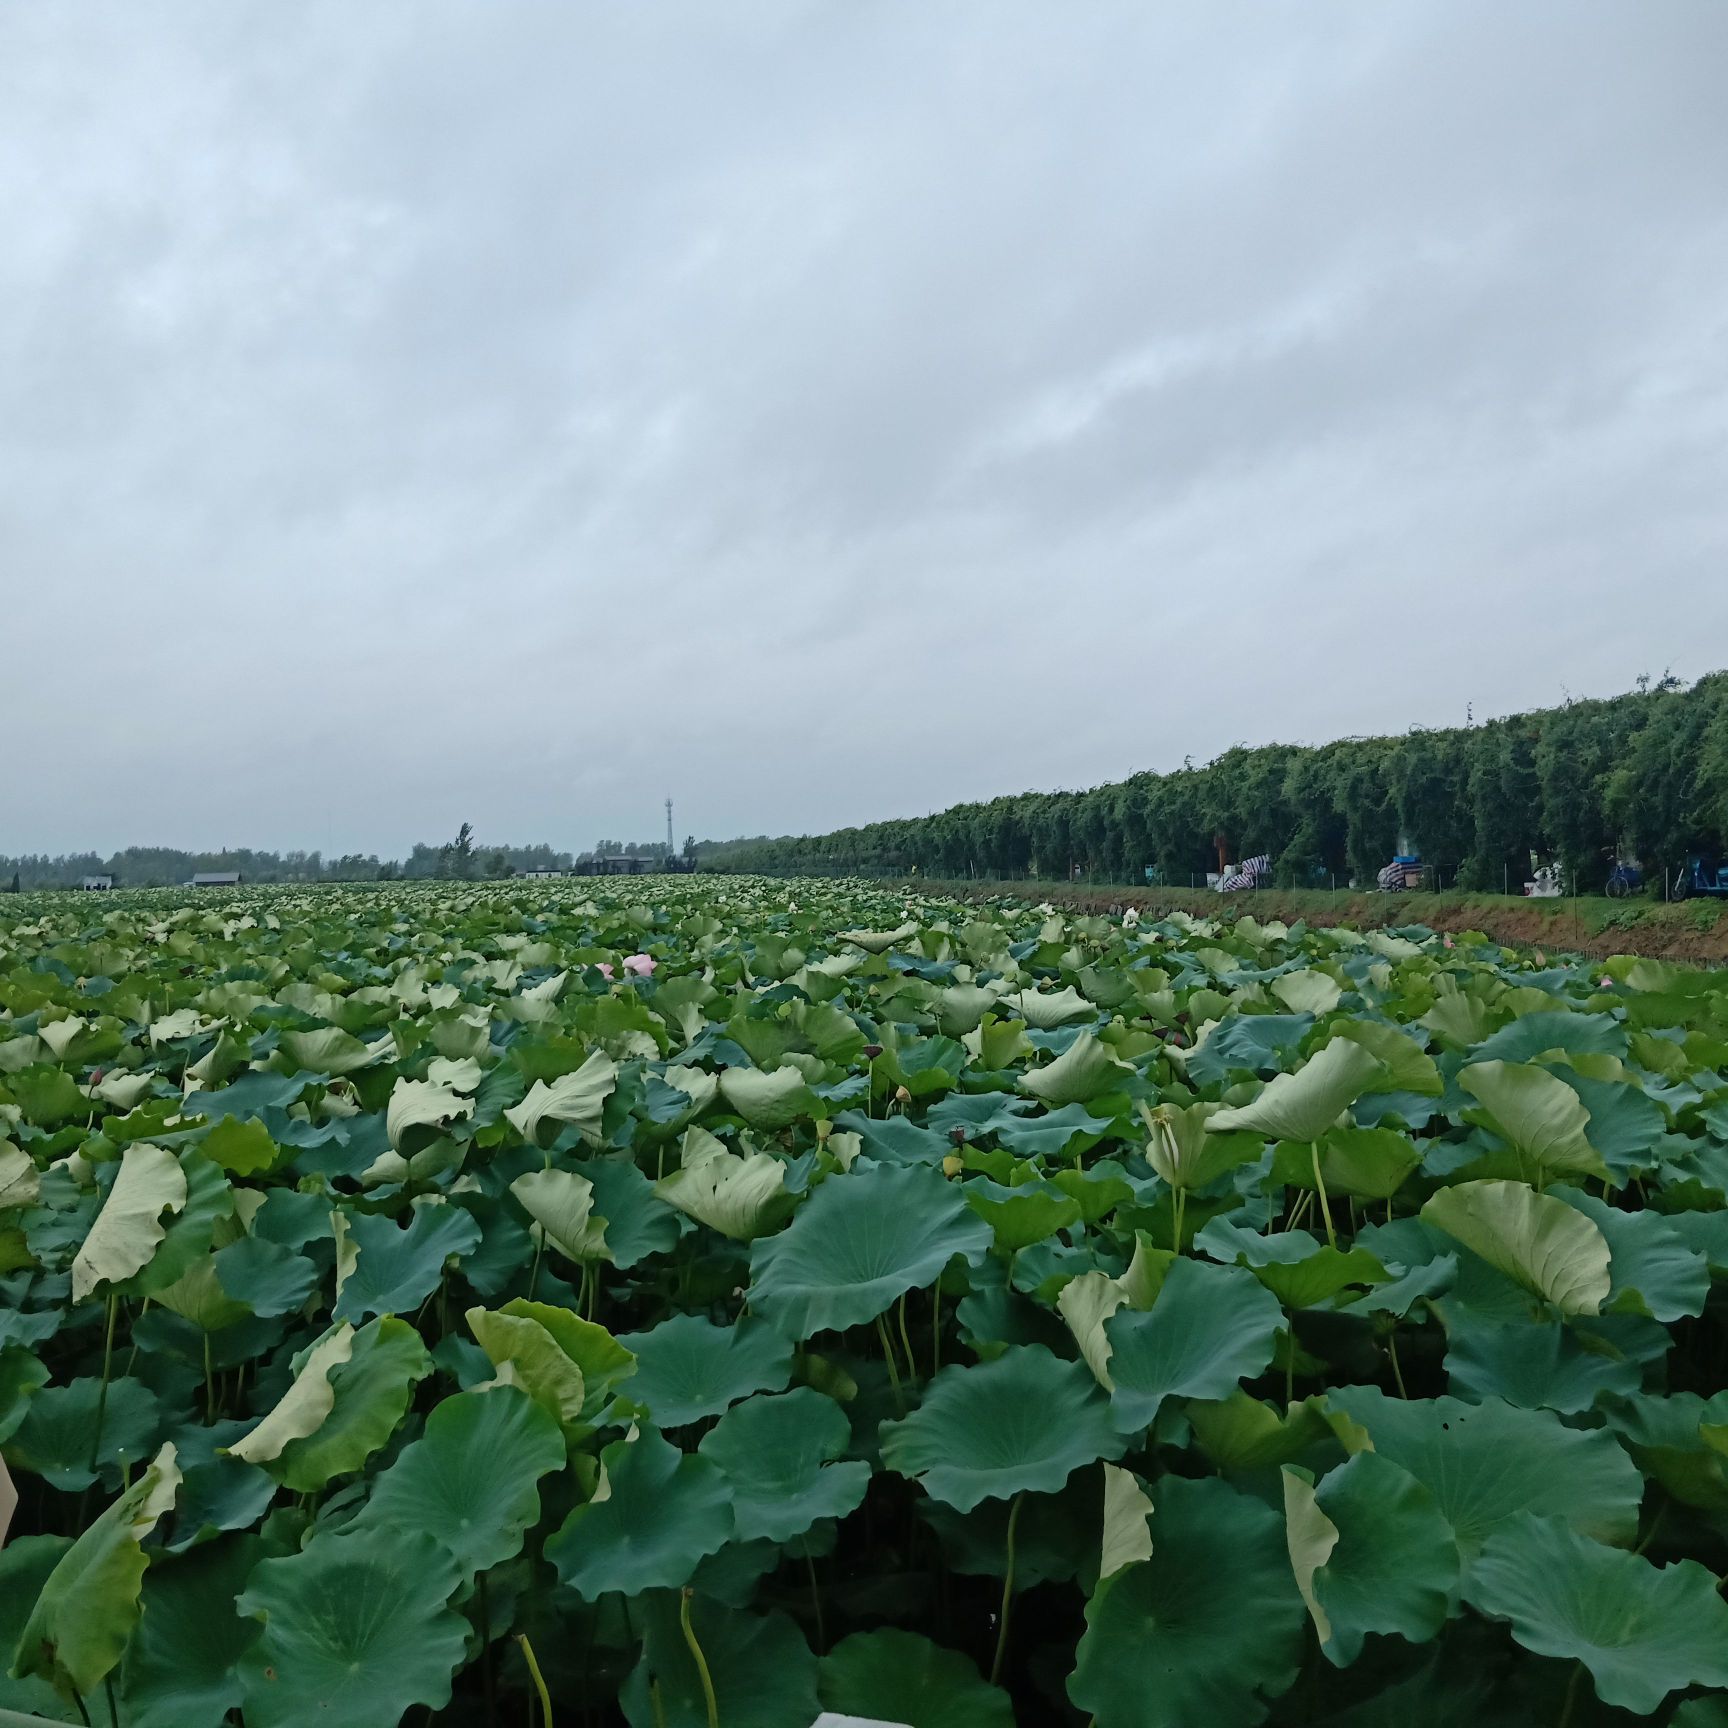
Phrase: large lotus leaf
(1533, 1035)
(217, 1492)
(1547, 1247)
(1643, 1631)
(635, 1222)
(1626, 1125)
(526, 1353)
(471, 1480)
(198, 1295)
(356, 1631)
(370, 1392)
(1045, 1010)
(1183, 1150)
(270, 1279)
(1087, 1301)
(1243, 1043)
(688, 1368)
(1205, 1630)
(859, 1243)
(1371, 1553)
(577, 1099)
(1409, 1068)
(1542, 1118)
(878, 941)
(1653, 1270)
(310, 1397)
(78, 1630)
(662, 1512)
(1300, 1271)
(128, 1229)
(1018, 1217)
(778, 1456)
(1672, 1444)
(1369, 1163)
(1303, 1105)
(419, 1110)
(1023, 1422)
(1240, 1434)
(57, 1437)
(181, 1666)
(1308, 991)
(894, 1676)
(1535, 1365)
(25, 1563)
(769, 1101)
(561, 1204)
(241, 1148)
(761, 1669)
(400, 1264)
(1127, 1533)
(741, 1197)
(1083, 1071)
(20, 1181)
(1062, 1133)
(1485, 1462)
(1210, 1328)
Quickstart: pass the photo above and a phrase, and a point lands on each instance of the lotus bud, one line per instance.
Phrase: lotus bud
(957, 1134)
(823, 1129)
(902, 1096)
(872, 1051)
(953, 1164)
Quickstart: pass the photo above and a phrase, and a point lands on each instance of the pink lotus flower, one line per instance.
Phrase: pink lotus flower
(641, 964)
(604, 968)
(1448, 941)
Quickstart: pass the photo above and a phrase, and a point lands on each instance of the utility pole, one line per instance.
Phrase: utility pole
(671, 844)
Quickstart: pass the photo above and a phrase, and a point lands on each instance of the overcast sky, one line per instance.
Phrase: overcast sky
(522, 412)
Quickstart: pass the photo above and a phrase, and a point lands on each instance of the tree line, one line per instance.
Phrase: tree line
(1644, 774)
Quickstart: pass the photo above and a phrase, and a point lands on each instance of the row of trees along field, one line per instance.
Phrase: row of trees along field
(1645, 773)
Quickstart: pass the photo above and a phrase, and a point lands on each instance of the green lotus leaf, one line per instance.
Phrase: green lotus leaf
(241, 1148)
(1303, 1105)
(1643, 1631)
(25, 1563)
(561, 1204)
(302, 1409)
(20, 1181)
(1674, 1442)
(778, 1456)
(1184, 1151)
(1308, 991)
(1018, 1217)
(217, 1492)
(1547, 1030)
(330, 1050)
(741, 1197)
(1211, 1328)
(369, 1391)
(471, 1480)
(1205, 1630)
(270, 1279)
(128, 1229)
(857, 1245)
(1084, 1071)
(1485, 1462)
(878, 941)
(1021, 1423)
(1542, 1118)
(198, 1295)
(1239, 1434)
(662, 1512)
(1549, 1248)
(769, 1100)
(357, 1630)
(1087, 1301)
(1371, 1553)
(1652, 1270)
(688, 1368)
(22, 1375)
(1045, 1010)
(181, 1666)
(962, 1010)
(56, 1438)
(418, 1111)
(400, 1263)
(1409, 1068)
(1127, 1530)
(1369, 1163)
(761, 1669)
(894, 1676)
(577, 1099)
(1535, 1365)
(78, 1630)
(635, 1222)
(1300, 1271)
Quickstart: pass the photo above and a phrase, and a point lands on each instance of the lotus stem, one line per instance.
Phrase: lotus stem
(107, 1369)
(1571, 1694)
(893, 1370)
(1392, 1353)
(935, 1326)
(1007, 1594)
(701, 1661)
(1320, 1185)
(906, 1340)
(1180, 1205)
(816, 1601)
(538, 1678)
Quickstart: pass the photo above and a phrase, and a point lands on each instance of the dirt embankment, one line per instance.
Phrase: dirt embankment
(1693, 931)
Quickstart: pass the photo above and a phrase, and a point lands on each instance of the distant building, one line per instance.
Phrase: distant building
(542, 870)
(94, 884)
(215, 879)
(622, 865)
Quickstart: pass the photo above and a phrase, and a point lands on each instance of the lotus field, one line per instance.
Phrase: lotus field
(695, 1302)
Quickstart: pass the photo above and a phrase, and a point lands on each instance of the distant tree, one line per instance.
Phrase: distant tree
(498, 865)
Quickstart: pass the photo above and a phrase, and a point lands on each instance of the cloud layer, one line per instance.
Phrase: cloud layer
(520, 414)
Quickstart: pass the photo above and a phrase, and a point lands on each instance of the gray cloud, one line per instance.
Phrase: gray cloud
(517, 413)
